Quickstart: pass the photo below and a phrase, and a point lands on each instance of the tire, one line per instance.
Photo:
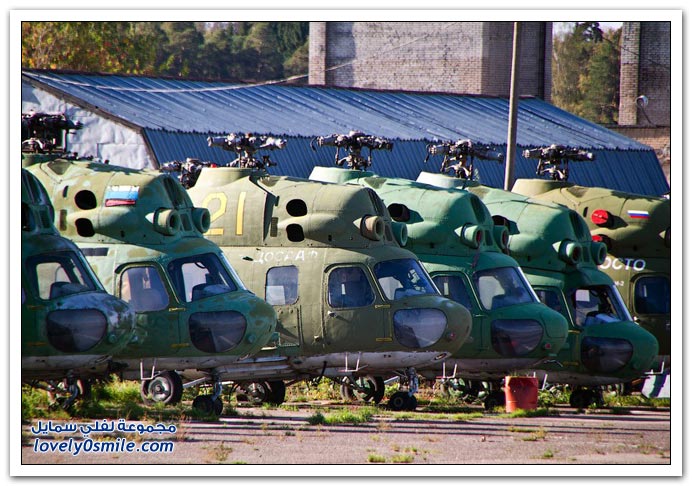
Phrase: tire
(399, 401)
(166, 387)
(277, 392)
(204, 404)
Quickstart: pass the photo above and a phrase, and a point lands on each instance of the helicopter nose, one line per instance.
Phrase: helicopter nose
(459, 323)
(436, 322)
(631, 353)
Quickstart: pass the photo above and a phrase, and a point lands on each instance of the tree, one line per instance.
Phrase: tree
(586, 67)
(86, 46)
(602, 86)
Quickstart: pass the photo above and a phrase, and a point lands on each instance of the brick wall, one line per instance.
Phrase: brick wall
(455, 57)
(657, 138)
(645, 71)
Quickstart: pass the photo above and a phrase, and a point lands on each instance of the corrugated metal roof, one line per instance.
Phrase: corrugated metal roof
(178, 115)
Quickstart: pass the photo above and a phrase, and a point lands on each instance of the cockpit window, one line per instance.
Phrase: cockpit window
(143, 288)
(597, 304)
(403, 278)
(550, 298)
(453, 287)
(501, 287)
(59, 274)
(652, 295)
(349, 287)
(281, 287)
(200, 276)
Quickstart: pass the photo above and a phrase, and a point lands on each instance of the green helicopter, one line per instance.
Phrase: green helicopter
(554, 248)
(636, 232)
(143, 238)
(353, 306)
(71, 327)
(454, 236)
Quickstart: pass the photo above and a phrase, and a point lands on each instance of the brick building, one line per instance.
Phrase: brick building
(451, 57)
(645, 96)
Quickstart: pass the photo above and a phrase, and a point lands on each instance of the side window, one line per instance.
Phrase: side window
(143, 288)
(652, 295)
(281, 287)
(349, 287)
(551, 299)
(452, 287)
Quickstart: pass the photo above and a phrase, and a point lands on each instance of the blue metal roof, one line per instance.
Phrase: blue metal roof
(178, 115)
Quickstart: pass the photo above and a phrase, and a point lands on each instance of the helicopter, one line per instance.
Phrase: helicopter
(553, 246)
(71, 327)
(352, 305)
(454, 236)
(143, 237)
(636, 232)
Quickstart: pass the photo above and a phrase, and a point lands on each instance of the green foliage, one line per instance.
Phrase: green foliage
(246, 51)
(343, 416)
(376, 458)
(586, 72)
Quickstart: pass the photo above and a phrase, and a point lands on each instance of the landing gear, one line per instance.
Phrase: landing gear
(210, 404)
(465, 390)
(367, 389)
(64, 393)
(584, 397)
(166, 387)
(402, 400)
(406, 400)
(493, 399)
(273, 392)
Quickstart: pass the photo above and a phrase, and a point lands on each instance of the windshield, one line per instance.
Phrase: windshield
(59, 274)
(453, 287)
(501, 287)
(597, 304)
(652, 295)
(403, 278)
(200, 276)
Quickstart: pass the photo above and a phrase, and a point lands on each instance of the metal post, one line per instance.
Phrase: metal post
(512, 126)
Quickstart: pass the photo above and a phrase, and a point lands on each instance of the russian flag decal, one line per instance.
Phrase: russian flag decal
(637, 214)
(121, 195)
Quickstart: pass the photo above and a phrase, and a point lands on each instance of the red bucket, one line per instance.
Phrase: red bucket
(521, 392)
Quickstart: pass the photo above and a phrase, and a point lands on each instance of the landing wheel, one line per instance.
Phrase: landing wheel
(494, 399)
(256, 392)
(63, 394)
(277, 392)
(365, 388)
(466, 390)
(166, 387)
(402, 401)
(208, 405)
(583, 397)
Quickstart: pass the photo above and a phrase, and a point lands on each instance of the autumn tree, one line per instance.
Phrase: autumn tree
(586, 72)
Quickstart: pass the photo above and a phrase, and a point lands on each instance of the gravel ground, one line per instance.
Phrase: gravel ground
(284, 436)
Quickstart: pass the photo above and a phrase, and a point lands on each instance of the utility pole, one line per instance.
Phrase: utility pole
(512, 126)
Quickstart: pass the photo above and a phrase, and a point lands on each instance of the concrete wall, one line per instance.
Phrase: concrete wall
(454, 57)
(101, 138)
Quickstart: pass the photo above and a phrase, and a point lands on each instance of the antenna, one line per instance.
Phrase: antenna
(460, 153)
(554, 160)
(353, 143)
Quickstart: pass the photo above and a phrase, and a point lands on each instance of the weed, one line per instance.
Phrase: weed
(221, 452)
(402, 459)
(317, 418)
(465, 417)
(549, 454)
(538, 412)
(376, 458)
